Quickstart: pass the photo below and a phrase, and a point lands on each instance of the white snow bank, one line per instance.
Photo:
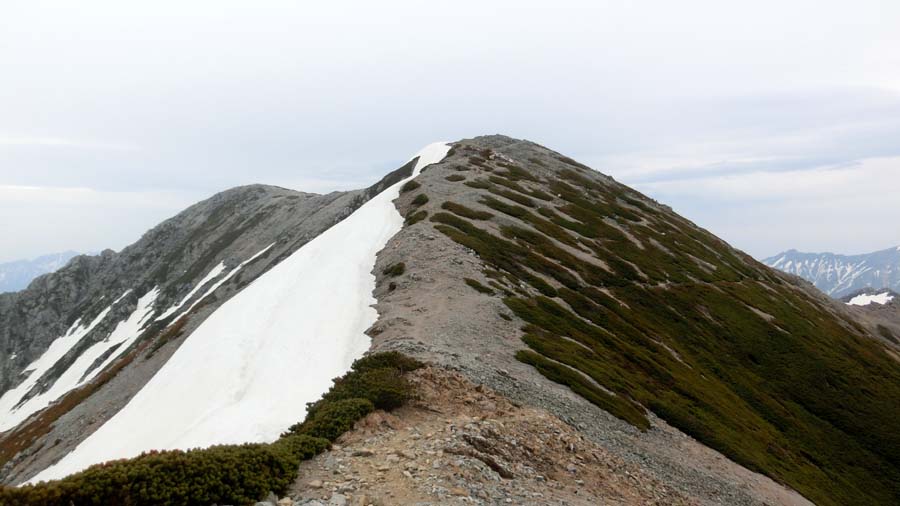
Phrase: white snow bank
(77, 373)
(218, 283)
(864, 299)
(213, 274)
(247, 372)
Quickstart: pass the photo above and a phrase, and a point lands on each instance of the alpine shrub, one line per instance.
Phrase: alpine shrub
(409, 186)
(333, 419)
(394, 270)
(478, 286)
(385, 388)
(389, 360)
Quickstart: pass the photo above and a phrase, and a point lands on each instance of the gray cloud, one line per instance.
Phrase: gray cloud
(173, 99)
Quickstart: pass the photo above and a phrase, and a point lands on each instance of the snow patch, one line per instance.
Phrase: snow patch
(247, 372)
(12, 412)
(219, 283)
(866, 299)
(213, 274)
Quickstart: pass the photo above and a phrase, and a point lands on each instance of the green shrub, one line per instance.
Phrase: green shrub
(385, 388)
(410, 186)
(478, 286)
(333, 419)
(466, 212)
(455, 178)
(621, 408)
(420, 200)
(477, 161)
(387, 360)
(227, 474)
(415, 217)
(479, 184)
(516, 173)
(394, 270)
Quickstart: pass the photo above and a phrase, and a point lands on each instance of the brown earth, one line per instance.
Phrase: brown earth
(460, 443)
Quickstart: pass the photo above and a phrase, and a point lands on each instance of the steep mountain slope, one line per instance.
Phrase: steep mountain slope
(634, 308)
(839, 275)
(560, 289)
(15, 276)
(879, 311)
(81, 342)
(308, 315)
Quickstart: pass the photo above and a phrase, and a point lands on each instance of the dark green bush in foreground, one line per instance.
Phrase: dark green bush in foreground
(333, 419)
(230, 474)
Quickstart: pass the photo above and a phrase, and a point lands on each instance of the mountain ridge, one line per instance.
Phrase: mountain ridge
(838, 275)
(529, 273)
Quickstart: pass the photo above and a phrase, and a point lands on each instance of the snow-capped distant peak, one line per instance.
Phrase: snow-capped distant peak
(843, 275)
(865, 299)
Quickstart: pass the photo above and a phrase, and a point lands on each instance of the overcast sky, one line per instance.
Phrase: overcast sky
(774, 124)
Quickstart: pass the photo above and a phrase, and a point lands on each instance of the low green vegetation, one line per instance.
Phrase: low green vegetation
(410, 186)
(622, 408)
(420, 200)
(478, 286)
(887, 334)
(466, 212)
(231, 474)
(455, 178)
(394, 270)
(415, 217)
(635, 308)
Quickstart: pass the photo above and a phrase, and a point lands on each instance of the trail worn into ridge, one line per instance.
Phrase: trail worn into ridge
(448, 306)
(460, 443)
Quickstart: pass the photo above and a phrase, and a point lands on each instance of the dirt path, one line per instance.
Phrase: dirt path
(463, 444)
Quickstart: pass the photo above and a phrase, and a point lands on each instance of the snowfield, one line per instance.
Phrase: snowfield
(247, 372)
(866, 299)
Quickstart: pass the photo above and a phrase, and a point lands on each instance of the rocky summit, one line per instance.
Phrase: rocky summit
(509, 326)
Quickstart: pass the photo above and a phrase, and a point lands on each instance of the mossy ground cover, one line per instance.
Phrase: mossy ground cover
(477, 286)
(231, 474)
(677, 322)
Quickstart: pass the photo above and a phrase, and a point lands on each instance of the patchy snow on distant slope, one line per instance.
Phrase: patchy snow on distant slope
(211, 275)
(247, 372)
(13, 411)
(866, 299)
(842, 275)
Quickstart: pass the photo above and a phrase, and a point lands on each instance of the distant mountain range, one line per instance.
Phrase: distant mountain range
(15, 276)
(841, 275)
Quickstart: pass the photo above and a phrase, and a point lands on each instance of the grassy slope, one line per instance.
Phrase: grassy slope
(681, 324)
